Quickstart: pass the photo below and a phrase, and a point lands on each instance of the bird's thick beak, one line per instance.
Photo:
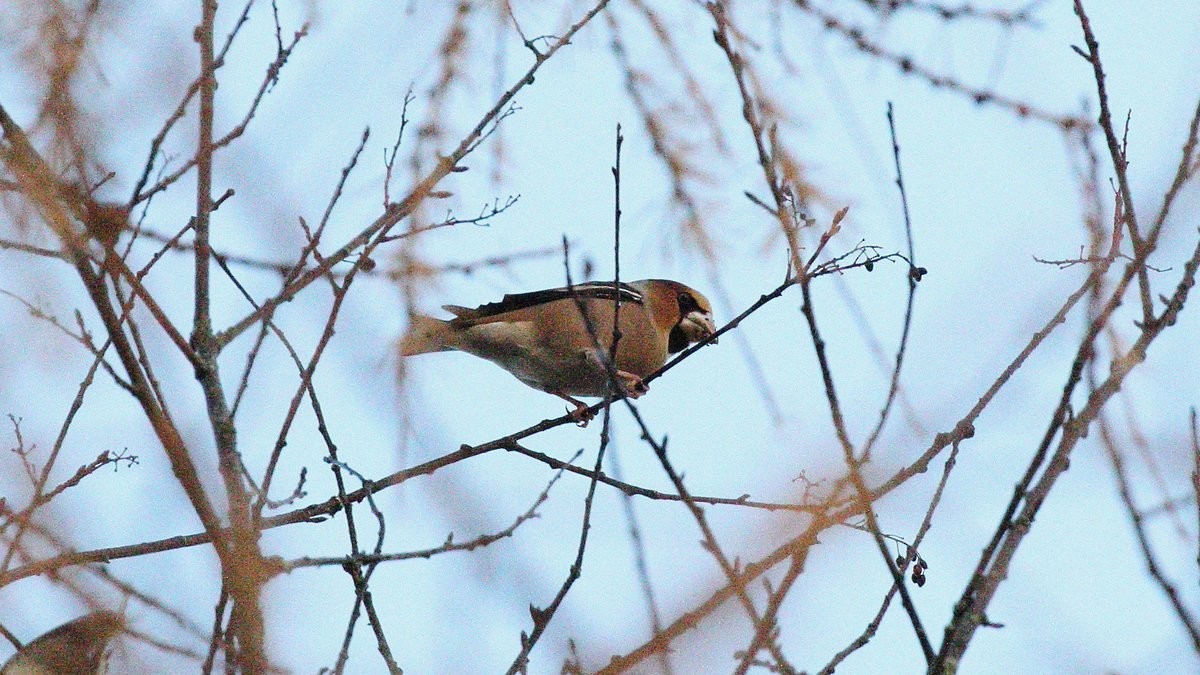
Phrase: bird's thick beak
(704, 326)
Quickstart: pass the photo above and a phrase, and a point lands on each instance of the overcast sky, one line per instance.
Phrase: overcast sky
(988, 191)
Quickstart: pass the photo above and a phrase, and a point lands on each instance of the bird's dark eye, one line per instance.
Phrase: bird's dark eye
(687, 303)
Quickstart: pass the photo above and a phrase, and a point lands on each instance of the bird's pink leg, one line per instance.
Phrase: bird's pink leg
(580, 414)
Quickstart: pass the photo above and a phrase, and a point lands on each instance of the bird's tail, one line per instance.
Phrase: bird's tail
(426, 334)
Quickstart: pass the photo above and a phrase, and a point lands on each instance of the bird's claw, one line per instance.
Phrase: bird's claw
(581, 414)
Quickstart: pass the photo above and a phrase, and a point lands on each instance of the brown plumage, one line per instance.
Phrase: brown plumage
(542, 337)
(74, 648)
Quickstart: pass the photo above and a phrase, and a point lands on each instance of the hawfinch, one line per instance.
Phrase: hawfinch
(542, 338)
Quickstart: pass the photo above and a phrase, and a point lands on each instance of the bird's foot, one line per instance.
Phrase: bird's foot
(631, 385)
(581, 413)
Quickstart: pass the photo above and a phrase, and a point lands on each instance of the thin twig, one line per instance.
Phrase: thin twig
(1116, 151)
(542, 616)
(901, 349)
(1189, 622)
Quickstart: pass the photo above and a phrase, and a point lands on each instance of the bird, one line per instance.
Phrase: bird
(543, 337)
(74, 648)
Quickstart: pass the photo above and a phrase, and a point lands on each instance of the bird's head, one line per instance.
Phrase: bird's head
(687, 310)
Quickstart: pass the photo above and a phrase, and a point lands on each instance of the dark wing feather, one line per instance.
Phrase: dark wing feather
(601, 290)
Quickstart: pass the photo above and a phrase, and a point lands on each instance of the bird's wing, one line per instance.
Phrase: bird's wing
(599, 290)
